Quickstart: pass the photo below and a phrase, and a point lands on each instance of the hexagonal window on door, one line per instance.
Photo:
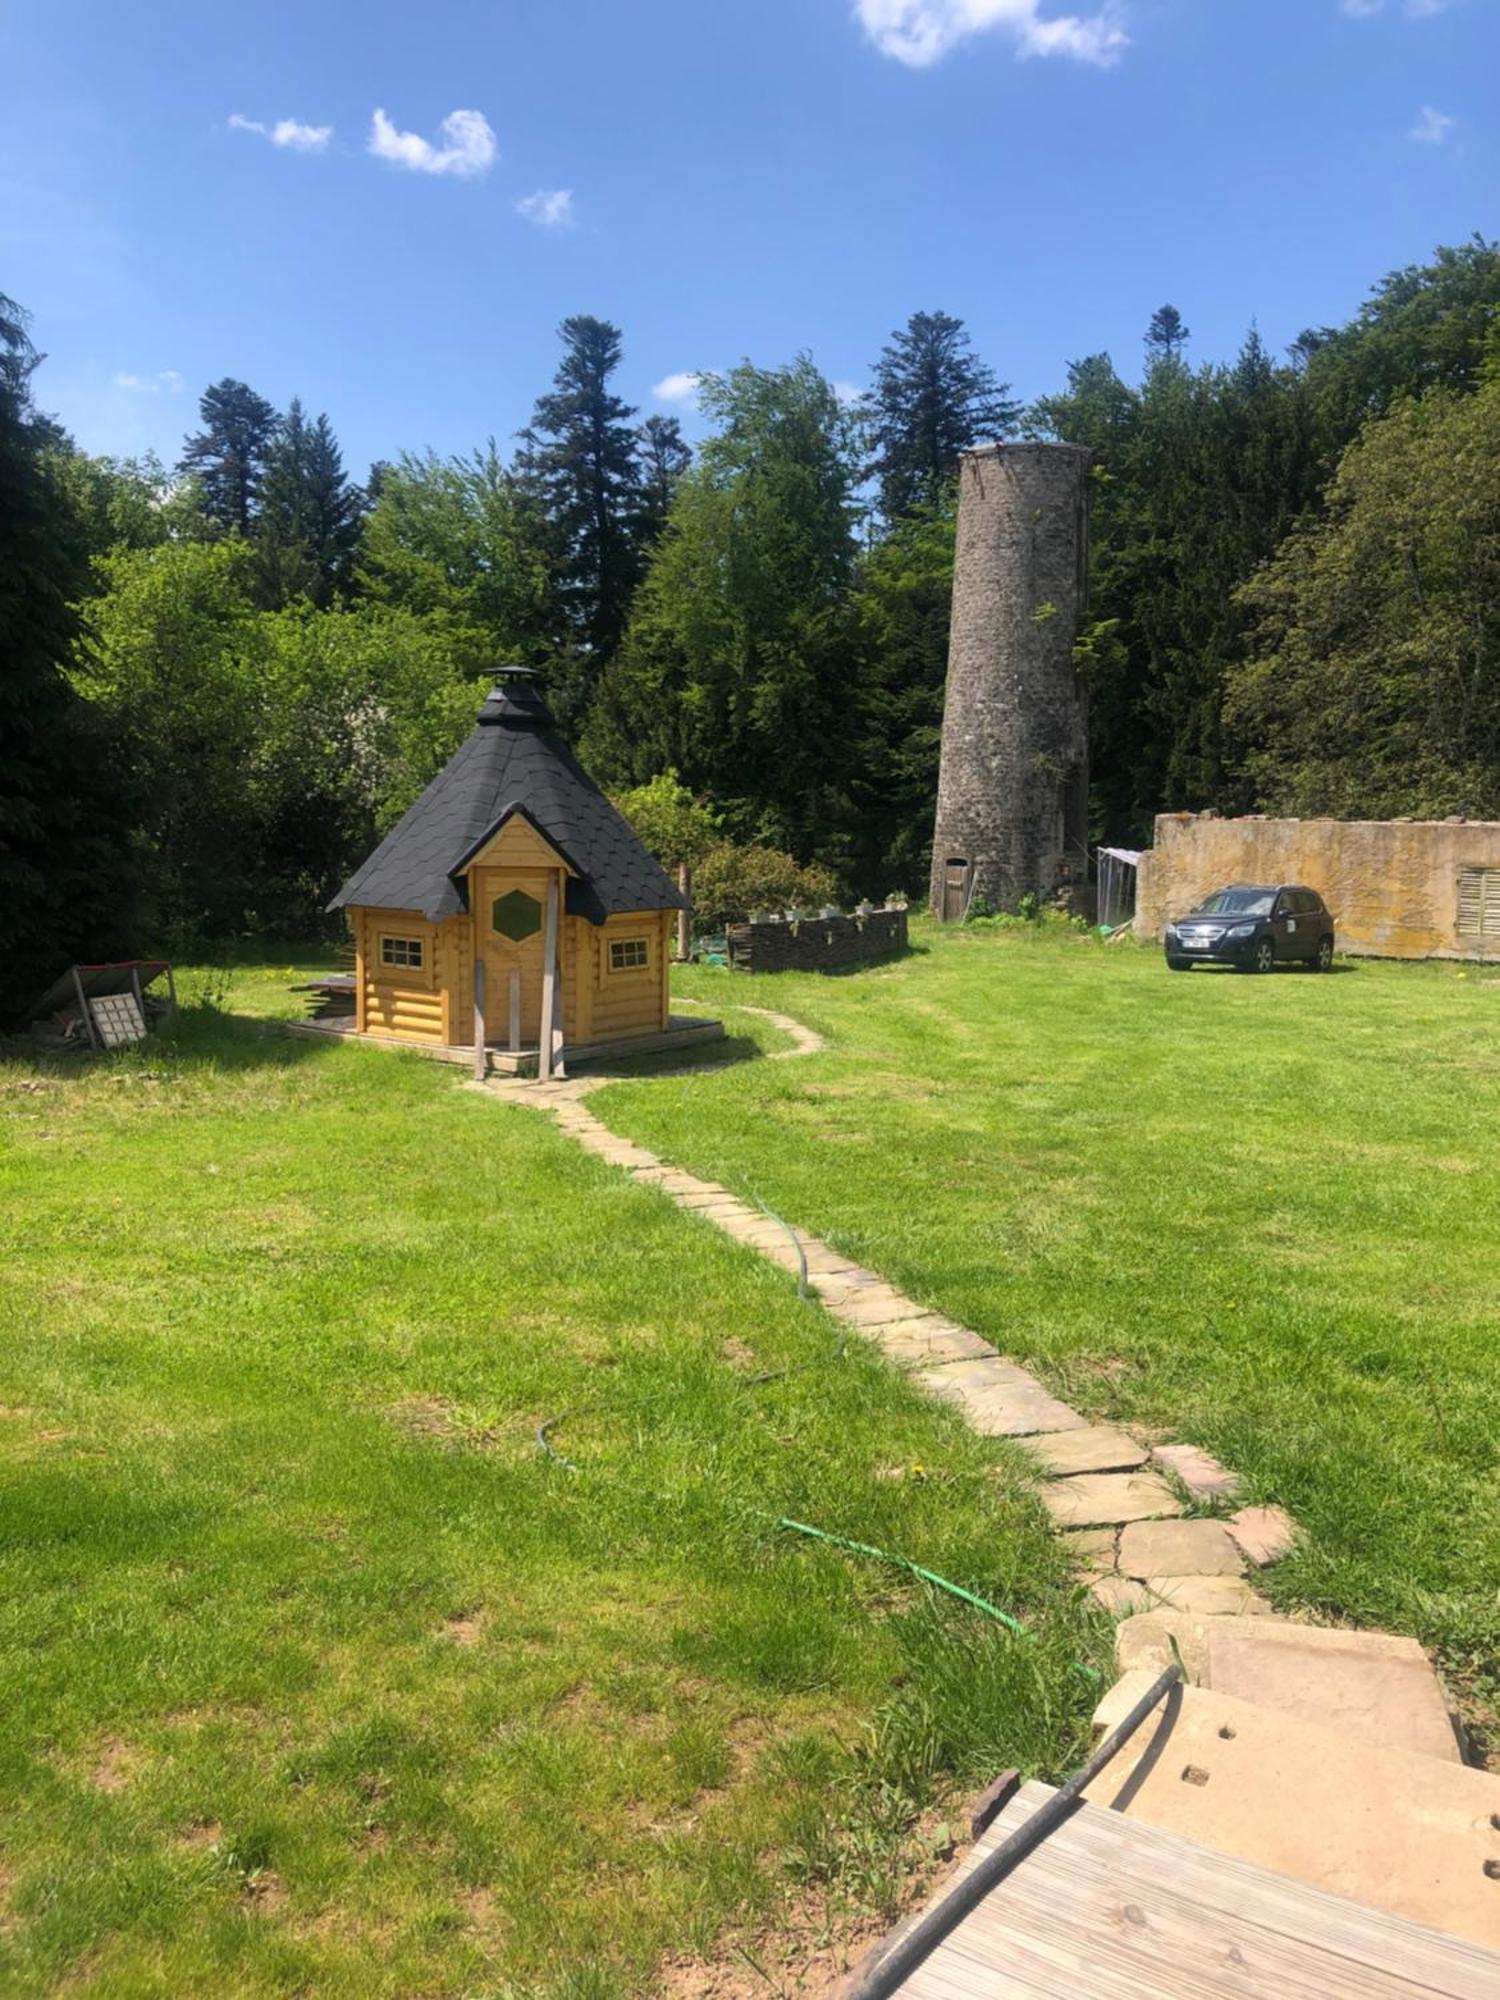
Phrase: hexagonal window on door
(516, 915)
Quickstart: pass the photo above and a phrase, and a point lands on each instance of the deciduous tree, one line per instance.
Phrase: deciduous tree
(66, 879)
(1373, 683)
(735, 671)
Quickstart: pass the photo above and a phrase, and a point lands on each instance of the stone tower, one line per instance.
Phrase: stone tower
(1012, 810)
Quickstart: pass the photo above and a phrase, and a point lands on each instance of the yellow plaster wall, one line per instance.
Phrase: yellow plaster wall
(1392, 885)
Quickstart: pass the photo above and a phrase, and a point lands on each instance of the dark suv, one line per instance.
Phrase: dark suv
(1255, 928)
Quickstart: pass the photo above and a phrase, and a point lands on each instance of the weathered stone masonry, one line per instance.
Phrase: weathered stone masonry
(1012, 812)
(817, 944)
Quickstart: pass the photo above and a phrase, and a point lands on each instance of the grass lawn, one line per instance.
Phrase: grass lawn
(1263, 1214)
(317, 1678)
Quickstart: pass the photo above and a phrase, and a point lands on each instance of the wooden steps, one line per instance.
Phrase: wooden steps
(1405, 1832)
(1112, 1908)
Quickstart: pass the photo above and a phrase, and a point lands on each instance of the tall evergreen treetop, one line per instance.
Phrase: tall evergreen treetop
(934, 399)
(665, 456)
(1166, 335)
(310, 513)
(580, 462)
(229, 453)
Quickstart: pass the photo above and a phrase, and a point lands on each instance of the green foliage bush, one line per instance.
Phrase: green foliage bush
(676, 826)
(731, 881)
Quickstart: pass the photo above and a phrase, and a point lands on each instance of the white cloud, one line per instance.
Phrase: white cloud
(1414, 10)
(919, 32)
(468, 147)
(848, 392)
(548, 208)
(165, 381)
(679, 388)
(1432, 127)
(286, 132)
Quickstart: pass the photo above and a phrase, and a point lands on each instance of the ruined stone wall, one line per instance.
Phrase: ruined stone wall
(816, 944)
(1392, 885)
(1013, 787)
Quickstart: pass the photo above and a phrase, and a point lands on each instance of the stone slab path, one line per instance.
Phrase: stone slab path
(1121, 1502)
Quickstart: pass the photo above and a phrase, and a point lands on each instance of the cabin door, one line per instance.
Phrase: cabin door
(512, 935)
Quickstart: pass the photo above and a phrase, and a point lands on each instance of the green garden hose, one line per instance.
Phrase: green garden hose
(781, 1521)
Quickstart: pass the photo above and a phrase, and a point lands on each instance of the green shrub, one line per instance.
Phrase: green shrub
(731, 881)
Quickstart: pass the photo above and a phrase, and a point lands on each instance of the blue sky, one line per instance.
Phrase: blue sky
(386, 209)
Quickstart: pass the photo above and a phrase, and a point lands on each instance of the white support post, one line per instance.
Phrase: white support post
(559, 1069)
(685, 914)
(479, 1057)
(549, 986)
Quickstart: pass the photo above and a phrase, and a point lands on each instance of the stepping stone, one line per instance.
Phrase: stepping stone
(1200, 1473)
(866, 1308)
(842, 1282)
(1178, 1548)
(1373, 1685)
(1092, 1550)
(933, 1339)
(829, 1263)
(1092, 1545)
(1120, 1596)
(1206, 1596)
(999, 1399)
(1104, 1499)
(1264, 1534)
(1098, 1448)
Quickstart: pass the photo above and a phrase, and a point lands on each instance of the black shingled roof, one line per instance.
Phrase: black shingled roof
(513, 762)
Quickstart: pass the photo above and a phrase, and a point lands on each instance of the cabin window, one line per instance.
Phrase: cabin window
(627, 954)
(406, 952)
(1479, 903)
(516, 916)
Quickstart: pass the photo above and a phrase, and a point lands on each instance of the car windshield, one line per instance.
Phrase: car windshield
(1241, 903)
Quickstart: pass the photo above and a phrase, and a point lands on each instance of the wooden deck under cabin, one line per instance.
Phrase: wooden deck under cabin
(1109, 1908)
(683, 1031)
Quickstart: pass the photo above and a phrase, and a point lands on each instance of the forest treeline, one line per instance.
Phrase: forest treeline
(222, 680)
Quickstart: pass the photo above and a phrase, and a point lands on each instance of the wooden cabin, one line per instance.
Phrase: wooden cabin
(512, 908)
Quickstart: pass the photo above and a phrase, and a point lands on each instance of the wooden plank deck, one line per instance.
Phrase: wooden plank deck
(685, 1031)
(1108, 1908)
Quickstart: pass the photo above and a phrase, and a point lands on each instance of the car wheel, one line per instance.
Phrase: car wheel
(1323, 962)
(1179, 965)
(1265, 956)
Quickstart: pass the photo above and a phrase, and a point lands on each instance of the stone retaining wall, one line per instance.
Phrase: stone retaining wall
(816, 944)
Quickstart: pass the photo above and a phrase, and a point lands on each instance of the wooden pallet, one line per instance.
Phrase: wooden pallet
(1108, 1908)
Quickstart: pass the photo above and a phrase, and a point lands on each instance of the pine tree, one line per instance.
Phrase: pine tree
(229, 453)
(934, 398)
(310, 513)
(1166, 336)
(66, 887)
(665, 456)
(580, 463)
